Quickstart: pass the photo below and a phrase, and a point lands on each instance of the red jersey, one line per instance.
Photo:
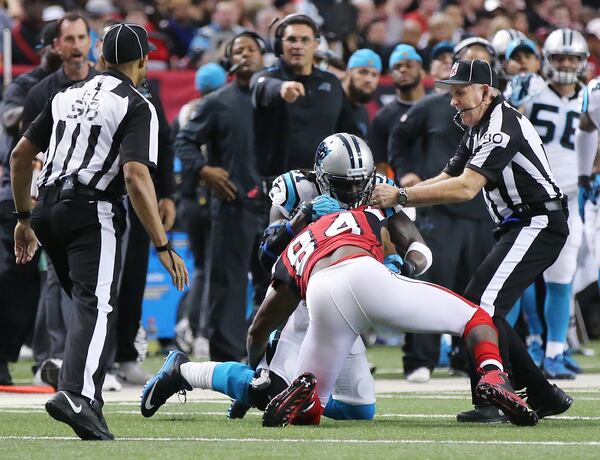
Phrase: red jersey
(358, 227)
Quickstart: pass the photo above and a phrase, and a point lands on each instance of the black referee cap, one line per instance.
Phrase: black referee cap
(470, 72)
(125, 43)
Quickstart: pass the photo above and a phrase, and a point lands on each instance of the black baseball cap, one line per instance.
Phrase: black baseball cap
(125, 43)
(470, 72)
(49, 33)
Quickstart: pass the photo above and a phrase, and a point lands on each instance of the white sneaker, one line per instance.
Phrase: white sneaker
(25, 353)
(131, 372)
(201, 348)
(111, 383)
(37, 377)
(184, 336)
(420, 375)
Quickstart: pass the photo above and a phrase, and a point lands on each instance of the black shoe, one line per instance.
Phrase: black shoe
(5, 378)
(76, 411)
(237, 409)
(554, 403)
(49, 371)
(167, 382)
(482, 414)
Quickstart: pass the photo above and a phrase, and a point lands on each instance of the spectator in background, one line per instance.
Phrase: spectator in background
(159, 58)
(407, 73)
(99, 13)
(561, 16)
(184, 19)
(522, 56)
(26, 33)
(470, 9)
(224, 122)
(224, 25)
(194, 216)
(423, 13)
(375, 38)
(412, 32)
(360, 84)
(592, 30)
(441, 29)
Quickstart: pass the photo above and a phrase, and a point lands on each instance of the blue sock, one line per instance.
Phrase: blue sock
(557, 309)
(233, 379)
(528, 302)
(513, 314)
(338, 410)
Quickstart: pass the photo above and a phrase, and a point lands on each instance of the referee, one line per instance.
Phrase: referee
(100, 139)
(502, 154)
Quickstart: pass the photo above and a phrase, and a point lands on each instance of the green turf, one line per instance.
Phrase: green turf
(407, 426)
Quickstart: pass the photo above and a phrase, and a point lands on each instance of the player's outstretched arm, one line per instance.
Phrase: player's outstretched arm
(280, 302)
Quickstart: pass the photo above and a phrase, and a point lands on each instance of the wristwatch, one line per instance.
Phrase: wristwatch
(402, 196)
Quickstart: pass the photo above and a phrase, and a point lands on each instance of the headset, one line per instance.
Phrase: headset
(294, 18)
(226, 62)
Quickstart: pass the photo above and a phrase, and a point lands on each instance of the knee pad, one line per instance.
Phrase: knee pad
(339, 410)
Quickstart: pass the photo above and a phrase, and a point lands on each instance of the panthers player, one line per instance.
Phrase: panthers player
(344, 176)
(554, 111)
(500, 42)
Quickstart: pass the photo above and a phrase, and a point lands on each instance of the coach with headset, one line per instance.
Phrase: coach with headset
(223, 120)
(296, 104)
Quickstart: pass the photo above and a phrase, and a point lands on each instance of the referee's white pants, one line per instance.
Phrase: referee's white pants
(346, 299)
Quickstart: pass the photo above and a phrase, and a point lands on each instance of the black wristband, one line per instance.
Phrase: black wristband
(166, 247)
(409, 268)
(22, 214)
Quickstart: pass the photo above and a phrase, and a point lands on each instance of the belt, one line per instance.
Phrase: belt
(55, 193)
(522, 211)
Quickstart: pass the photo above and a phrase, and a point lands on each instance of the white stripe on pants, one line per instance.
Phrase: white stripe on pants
(346, 299)
(106, 269)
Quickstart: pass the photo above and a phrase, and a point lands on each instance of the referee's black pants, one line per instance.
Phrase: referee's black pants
(523, 251)
(83, 239)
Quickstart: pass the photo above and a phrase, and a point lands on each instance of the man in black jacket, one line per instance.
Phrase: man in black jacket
(223, 121)
(296, 104)
(18, 306)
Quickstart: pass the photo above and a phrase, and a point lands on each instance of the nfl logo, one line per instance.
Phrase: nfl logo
(454, 69)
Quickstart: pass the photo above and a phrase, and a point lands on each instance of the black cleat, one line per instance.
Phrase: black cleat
(86, 421)
(5, 378)
(237, 409)
(287, 405)
(553, 403)
(49, 371)
(495, 389)
(482, 414)
(167, 382)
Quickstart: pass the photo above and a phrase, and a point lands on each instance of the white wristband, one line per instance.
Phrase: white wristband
(423, 249)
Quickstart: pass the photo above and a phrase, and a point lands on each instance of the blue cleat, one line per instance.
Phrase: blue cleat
(167, 382)
(536, 352)
(570, 362)
(554, 368)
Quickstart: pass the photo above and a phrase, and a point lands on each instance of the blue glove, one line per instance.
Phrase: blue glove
(323, 205)
(589, 188)
(393, 262)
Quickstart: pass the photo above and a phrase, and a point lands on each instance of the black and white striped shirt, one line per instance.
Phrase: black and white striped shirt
(91, 129)
(506, 149)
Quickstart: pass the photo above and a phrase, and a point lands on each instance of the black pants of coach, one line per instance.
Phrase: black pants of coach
(456, 257)
(19, 288)
(83, 239)
(235, 233)
(523, 251)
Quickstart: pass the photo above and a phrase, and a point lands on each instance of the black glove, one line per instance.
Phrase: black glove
(409, 269)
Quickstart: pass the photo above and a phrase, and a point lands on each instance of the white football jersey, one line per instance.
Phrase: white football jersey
(293, 187)
(590, 100)
(555, 118)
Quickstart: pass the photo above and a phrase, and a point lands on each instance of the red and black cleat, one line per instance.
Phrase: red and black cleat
(298, 404)
(495, 388)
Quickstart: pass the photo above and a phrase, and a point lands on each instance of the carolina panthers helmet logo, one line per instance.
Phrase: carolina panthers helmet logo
(322, 151)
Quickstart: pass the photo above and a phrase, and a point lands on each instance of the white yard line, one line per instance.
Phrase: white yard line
(319, 441)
